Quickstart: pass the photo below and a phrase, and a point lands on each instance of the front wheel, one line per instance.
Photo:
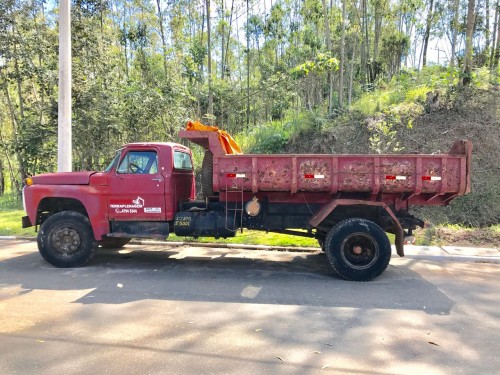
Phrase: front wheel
(358, 249)
(66, 239)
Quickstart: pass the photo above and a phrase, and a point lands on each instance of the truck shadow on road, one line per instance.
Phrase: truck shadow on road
(224, 275)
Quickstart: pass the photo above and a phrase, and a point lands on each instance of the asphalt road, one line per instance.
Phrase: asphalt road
(188, 310)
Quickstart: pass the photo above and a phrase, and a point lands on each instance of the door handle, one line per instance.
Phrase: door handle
(156, 179)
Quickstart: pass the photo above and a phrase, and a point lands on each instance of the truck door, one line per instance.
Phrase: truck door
(180, 186)
(136, 187)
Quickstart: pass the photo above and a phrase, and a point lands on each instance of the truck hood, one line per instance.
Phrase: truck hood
(63, 178)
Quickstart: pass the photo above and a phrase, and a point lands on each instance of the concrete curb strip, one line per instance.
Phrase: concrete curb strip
(198, 244)
(452, 253)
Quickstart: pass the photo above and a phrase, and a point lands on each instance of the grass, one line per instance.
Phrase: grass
(11, 212)
(252, 237)
(10, 224)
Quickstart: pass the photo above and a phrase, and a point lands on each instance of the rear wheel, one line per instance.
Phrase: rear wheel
(358, 249)
(113, 243)
(66, 239)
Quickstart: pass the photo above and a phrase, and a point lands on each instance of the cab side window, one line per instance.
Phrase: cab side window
(182, 161)
(139, 162)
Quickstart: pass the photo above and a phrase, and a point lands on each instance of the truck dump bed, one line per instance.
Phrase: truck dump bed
(436, 178)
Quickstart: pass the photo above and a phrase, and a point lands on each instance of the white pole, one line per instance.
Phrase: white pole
(64, 160)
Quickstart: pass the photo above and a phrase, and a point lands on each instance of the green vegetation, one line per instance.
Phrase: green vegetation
(10, 224)
(11, 212)
(10, 202)
(298, 76)
(251, 237)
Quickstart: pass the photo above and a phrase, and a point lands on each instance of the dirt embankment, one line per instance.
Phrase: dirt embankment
(469, 237)
(472, 114)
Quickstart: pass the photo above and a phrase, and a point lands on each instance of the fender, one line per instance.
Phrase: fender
(92, 198)
(327, 209)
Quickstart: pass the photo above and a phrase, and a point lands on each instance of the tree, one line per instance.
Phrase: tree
(162, 34)
(329, 49)
(427, 32)
(496, 56)
(342, 57)
(493, 43)
(467, 67)
(209, 65)
(456, 6)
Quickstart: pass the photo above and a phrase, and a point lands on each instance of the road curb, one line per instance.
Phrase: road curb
(455, 258)
(200, 244)
(226, 246)
(465, 254)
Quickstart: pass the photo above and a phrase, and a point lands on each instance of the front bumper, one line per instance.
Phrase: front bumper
(26, 222)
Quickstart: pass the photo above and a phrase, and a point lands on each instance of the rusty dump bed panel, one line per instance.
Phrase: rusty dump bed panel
(411, 173)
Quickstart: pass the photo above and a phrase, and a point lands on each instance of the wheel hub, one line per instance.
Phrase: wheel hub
(359, 250)
(66, 240)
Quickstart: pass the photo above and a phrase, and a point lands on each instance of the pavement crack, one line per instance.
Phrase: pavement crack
(442, 248)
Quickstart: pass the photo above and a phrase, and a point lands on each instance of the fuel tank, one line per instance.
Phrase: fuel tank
(206, 224)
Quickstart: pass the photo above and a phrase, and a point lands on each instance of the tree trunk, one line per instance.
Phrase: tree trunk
(378, 27)
(456, 7)
(163, 40)
(493, 39)
(2, 179)
(125, 38)
(13, 181)
(209, 67)
(226, 62)
(365, 45)
(487, 26)
(467, 68)
(496, 57)
(342, 58)
(222, 42)
(351, 74)
(18, 74)
(427, 33)
(329, 48)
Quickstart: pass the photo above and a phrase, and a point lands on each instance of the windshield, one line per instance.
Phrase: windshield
(114, 161)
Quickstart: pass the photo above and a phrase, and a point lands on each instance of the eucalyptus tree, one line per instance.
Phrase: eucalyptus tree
(429, 22)
(467, 66)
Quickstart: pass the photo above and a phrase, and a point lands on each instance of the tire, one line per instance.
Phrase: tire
(207, 167)
(66, 239)
(113, 243)
(358, 249)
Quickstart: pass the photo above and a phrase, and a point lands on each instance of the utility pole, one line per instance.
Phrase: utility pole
(248, 69)
(64, 159)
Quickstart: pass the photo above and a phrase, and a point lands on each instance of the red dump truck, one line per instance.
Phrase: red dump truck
(346, 202)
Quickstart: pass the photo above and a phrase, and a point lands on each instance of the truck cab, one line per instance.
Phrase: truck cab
(138, 195)
(146, 182)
